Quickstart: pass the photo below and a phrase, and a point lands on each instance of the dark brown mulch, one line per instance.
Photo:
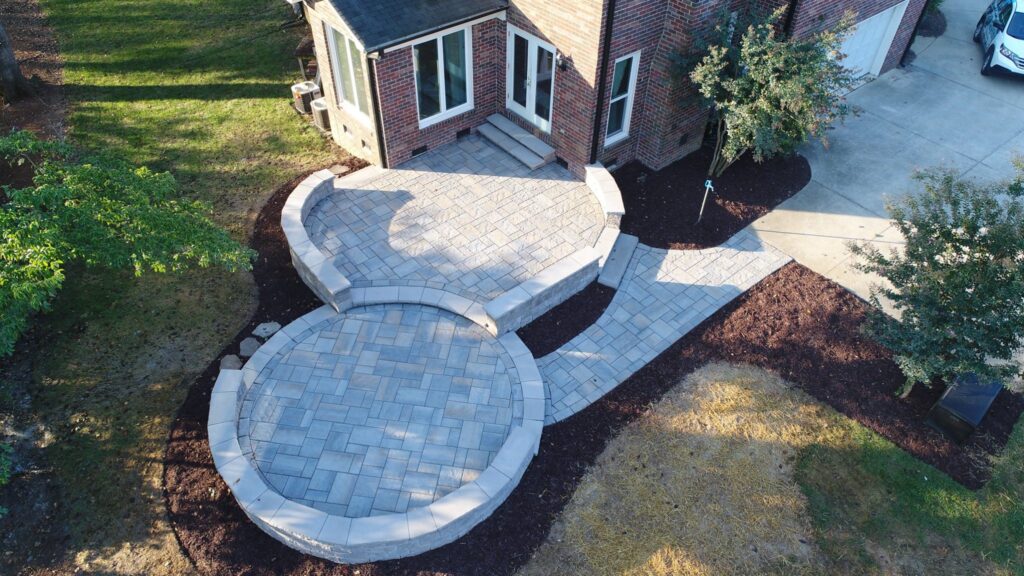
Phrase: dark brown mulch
(795, 323)
(662, 206)
(933, 24)
(563, 322)
(36, 49)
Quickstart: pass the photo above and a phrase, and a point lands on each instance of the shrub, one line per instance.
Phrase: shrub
(768, 94)
(99, 211)
(959, 284)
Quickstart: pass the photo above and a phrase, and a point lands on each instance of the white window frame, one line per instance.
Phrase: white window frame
(629, 97)
(341, 99)
(443, 115)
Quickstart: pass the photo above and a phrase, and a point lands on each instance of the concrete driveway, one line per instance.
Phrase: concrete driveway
(938, 111)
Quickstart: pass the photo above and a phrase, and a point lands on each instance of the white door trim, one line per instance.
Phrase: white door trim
(533, 43)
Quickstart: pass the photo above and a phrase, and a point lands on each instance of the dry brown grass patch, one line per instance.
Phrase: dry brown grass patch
(703, 484)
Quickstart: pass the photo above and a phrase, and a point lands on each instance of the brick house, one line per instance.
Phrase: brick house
(404, 76)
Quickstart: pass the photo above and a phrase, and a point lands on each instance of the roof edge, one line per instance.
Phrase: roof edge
(427, 32)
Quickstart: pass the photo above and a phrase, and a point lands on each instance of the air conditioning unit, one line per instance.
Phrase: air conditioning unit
(321, 115)
(303, 94)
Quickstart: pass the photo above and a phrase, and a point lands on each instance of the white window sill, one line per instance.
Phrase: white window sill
(614, 139)
(356, 113)
(448, 114)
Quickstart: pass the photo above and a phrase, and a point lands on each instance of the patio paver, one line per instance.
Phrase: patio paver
(380, 410)
(664, 295)
(466, 218)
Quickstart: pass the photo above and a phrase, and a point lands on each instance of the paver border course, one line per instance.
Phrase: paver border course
(366, 539)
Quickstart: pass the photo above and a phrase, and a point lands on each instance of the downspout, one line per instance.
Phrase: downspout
(378, 119)
(606, 49)
(787, 28)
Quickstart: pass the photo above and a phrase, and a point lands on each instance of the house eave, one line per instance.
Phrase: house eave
(412, 38)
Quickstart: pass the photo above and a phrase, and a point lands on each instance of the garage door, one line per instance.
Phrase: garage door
(868, 44)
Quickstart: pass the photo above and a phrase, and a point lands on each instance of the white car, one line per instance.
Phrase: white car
(1001, 35)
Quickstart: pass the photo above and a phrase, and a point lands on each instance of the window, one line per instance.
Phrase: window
(620, 106)
(348, 65)
(444, 76)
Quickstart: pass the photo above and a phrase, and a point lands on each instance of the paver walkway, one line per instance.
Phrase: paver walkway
(380, 409)
(664, 295)
(466, 218)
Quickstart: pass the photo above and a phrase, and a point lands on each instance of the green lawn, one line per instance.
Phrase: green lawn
(866, 493)
(199, 88)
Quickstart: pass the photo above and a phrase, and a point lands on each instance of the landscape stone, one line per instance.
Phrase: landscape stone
(266, 330)
(230, 362)
(248, 347)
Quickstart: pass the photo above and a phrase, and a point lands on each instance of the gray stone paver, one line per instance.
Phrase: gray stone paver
(664, 295)
(466, 218)
(380, 409)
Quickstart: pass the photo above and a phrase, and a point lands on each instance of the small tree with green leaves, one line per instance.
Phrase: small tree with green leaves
(958, 285)
(101, 212)
(767, 93)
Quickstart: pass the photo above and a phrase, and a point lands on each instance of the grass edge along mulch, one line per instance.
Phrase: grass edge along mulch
(795, 323)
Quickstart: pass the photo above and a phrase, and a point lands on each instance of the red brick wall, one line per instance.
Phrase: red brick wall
(576, 33)
(396, 84)
(639, 25)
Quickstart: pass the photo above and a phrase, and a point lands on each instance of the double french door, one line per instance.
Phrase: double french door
(531, 78)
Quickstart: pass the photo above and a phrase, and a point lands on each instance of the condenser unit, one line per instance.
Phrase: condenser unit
(321, 116)
(303, 94)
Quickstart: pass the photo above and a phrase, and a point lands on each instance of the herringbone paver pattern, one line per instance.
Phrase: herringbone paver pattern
(467, 218)
(380, 409)
(664, 295)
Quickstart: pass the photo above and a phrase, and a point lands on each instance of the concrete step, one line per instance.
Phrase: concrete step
(615, 265)
(517, 133)
(506, 143)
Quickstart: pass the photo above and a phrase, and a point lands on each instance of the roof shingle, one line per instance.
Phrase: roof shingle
(382, 23)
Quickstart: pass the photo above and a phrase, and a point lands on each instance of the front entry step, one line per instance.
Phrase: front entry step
(519, 143)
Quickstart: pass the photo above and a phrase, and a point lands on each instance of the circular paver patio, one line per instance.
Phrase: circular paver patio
(380, 409)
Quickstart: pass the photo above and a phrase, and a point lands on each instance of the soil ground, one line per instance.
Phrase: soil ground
(30, 534)
(36, 49)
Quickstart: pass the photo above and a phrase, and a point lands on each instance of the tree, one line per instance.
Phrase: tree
(99, 211)
(958, 285)
(767, 94)
(13, 84)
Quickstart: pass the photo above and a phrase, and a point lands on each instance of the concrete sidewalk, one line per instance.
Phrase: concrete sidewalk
(938, 111)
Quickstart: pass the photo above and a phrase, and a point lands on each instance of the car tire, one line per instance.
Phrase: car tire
(978, 29)
(986, 67)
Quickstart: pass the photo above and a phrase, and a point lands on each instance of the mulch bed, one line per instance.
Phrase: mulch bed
(563, 322)
(794, 322)
(662, 206)
(933, 24)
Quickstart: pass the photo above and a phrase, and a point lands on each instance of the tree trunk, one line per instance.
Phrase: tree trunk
(12, 83)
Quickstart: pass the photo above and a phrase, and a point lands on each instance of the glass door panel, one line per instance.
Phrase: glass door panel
(545, 77)
(520, 69)
(530, 78)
